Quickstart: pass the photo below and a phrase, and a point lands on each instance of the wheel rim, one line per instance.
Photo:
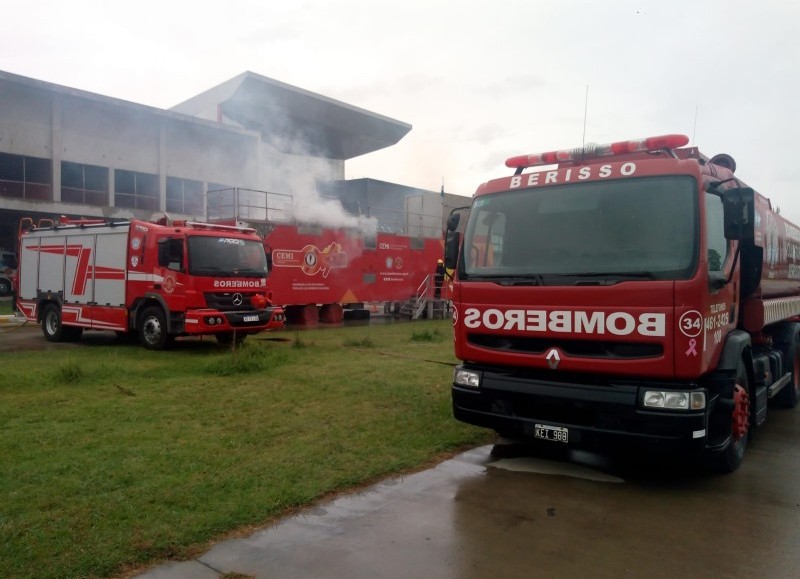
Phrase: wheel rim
(51, 322)
(152, 330)
(741, 413)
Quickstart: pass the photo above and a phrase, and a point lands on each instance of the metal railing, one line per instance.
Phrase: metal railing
(237, 204)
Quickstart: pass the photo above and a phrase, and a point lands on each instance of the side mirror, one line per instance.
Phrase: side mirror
(453, 220)
(739, 210)
(451, 245)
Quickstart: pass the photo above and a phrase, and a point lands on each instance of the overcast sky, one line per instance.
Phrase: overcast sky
(479, 80)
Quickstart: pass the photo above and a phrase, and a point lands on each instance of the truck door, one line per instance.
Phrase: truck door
(173, 267)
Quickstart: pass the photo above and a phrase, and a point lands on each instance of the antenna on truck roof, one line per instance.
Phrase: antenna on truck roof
(585, 114)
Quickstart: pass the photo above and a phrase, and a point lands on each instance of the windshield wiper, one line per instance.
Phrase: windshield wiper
(511, 280)
(612, 277)
(648, 274)
(250, 272)
(209, 271)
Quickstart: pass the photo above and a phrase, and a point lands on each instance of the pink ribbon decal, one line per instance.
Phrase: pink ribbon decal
(692, 351)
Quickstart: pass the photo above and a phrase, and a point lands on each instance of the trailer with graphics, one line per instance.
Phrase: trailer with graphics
(630, 295)
(320, 272)
(157, 281)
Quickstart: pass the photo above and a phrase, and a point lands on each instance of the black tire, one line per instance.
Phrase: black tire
(729, 459)
(789, 395)
(52, 328)
(152, 329)
(5, 287)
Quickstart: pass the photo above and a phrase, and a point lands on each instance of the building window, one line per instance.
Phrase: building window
(84, 184)
(221, 202)
(25, 177)
(134, 190)
(184, 196)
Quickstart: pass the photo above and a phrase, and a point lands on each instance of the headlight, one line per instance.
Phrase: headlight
(674, 400)
(467, 378)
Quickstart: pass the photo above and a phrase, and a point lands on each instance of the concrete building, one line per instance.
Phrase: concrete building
(72, 152)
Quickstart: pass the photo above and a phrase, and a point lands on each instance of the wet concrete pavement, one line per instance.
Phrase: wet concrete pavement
(504, 511)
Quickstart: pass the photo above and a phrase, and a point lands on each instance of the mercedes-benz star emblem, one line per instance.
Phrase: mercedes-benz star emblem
(553, 358)
(237, 299)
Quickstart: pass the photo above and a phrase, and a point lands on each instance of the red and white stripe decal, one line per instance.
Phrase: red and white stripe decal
(84, 271)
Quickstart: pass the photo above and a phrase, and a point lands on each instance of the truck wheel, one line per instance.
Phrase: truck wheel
(153, 329)
(5, 287)
(789, 395)
(730, 459)
(51, 323)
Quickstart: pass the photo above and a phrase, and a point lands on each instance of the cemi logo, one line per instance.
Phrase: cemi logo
(567, 321)
(311, 260)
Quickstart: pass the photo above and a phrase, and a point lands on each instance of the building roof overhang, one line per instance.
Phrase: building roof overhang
(125, 107)
(297, 121)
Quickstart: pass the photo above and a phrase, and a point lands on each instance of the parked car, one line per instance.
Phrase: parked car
(8, 267)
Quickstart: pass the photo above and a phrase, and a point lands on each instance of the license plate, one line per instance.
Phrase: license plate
(250, 318)
(552, 433)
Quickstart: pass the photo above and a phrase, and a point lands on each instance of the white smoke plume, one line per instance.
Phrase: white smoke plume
(310, 207)
(314, 210)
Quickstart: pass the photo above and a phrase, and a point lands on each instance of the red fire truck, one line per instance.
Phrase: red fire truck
(159, 280)
(630, 294)
(320, 271)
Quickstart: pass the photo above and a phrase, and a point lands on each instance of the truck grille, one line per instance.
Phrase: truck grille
(576, 348)
(226, 301)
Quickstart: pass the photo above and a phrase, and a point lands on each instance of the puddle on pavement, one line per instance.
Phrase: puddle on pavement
(550, 467)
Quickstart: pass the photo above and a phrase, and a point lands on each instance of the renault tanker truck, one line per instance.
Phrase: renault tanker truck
(630, 295)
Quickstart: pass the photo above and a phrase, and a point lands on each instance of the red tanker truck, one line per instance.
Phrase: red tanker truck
(635, 294)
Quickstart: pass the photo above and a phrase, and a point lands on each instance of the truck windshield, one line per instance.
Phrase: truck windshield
(591, 232)
(226, 257)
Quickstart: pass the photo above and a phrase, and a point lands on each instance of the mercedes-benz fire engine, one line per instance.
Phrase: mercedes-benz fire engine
(159, 280)
(630, 294)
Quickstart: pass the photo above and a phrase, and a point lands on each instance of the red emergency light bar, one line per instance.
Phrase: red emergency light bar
(658, 143)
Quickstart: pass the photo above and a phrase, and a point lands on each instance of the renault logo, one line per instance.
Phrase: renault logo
(553, 358)
(237, 299)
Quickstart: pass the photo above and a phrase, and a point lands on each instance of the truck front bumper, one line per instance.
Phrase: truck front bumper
(211, 321)
(598, 416)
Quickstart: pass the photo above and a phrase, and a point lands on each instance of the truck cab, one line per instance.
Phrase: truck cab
(620, 295)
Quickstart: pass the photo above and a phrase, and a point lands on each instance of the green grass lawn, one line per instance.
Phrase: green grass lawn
(5, 307)
(114, 456)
